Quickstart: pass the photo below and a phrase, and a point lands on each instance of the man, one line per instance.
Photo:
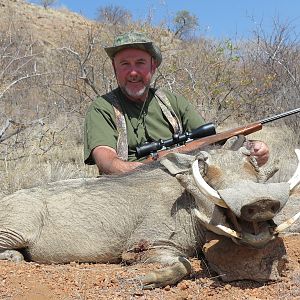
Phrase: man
(135, 113)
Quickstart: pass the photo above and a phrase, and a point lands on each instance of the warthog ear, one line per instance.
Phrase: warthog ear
(177, 162)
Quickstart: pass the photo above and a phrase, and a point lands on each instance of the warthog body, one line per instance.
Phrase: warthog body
(148, 215)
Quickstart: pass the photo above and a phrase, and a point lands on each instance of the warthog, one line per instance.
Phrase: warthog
(160, 213)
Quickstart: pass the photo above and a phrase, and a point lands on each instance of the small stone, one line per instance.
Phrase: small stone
(114, 280)
(183, 285)
(138, 293)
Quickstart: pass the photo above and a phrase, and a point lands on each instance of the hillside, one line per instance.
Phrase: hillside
(56, 27)
(47, 25)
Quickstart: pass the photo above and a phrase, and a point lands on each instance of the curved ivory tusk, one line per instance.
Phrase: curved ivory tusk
(203, 218)
(205, 188)
(218, 229)
(287, 223)
(295, 180)
(230, 231)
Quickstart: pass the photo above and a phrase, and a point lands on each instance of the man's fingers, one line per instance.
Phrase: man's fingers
(260, 151)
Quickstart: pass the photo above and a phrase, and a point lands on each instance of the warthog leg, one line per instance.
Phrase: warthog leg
(167, 276)
(175, 265)
(12, 255)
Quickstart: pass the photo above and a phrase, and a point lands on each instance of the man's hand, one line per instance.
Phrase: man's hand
(260, 151)
(108, 161)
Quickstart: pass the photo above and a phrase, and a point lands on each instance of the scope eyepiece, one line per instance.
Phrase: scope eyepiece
(177, 139)
(148, 148)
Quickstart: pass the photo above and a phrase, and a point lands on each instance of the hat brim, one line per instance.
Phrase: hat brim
(146, 46)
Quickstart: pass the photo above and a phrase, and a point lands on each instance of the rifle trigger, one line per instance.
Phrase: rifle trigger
(154, 155)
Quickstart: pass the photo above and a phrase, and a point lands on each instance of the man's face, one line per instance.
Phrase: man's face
(134, 69)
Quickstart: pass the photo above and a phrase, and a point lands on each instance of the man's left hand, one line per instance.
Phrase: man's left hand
(260, 151)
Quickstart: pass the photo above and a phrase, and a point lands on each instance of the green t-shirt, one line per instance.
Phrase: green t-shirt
(144, 122)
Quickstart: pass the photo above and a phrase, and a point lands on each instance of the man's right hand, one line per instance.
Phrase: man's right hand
(108, 162)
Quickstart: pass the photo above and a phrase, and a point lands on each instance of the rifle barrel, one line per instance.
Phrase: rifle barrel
(279, 116)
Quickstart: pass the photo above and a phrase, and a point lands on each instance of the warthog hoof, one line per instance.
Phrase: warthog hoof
(167, 276)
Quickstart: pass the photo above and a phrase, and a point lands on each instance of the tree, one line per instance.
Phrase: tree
(185, 23)
(47, 3)
(113, 14)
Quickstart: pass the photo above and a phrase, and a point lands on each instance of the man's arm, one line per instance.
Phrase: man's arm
(108, 161)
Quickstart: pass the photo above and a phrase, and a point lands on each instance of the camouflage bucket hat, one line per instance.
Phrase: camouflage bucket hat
(135, 40)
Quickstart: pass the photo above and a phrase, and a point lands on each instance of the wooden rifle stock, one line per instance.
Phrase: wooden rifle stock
(212, 139)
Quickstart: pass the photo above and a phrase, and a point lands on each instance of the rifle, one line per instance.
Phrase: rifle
(200, 137)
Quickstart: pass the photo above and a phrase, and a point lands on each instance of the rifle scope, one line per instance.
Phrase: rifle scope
(177, 139)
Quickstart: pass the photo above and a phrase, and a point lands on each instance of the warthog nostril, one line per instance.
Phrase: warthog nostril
(274, 209)
(261, 210)
(250, 211)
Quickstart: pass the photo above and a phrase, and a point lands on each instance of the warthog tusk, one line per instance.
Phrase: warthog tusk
(218, 229)
(287, 223)
(203, 218)
(294, 181)
(205, 188)
(230, 231)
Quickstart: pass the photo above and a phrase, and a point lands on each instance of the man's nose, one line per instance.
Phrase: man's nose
(133, 72)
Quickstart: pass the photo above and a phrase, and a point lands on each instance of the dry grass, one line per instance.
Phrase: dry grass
(42, 161)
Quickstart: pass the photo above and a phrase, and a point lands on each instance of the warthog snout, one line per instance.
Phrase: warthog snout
(262, 210)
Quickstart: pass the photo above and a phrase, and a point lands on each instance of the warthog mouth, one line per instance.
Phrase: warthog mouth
(254, 233)
(251, 234)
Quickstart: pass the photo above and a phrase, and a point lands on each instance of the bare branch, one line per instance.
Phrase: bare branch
(18, 128)
(82, 61)
(5, 127)
(11, 84)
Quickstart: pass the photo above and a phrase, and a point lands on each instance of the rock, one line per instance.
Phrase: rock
(237, 262)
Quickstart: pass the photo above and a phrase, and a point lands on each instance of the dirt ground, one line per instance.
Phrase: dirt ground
(33, 281)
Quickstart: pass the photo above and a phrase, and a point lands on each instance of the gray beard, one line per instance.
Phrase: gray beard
(135, 94)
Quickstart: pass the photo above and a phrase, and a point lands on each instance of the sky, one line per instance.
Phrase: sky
(220, 19)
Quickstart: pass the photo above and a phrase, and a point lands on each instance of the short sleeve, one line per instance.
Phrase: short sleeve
(99, 128)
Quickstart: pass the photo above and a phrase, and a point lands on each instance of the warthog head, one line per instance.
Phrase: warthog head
(231, 193)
